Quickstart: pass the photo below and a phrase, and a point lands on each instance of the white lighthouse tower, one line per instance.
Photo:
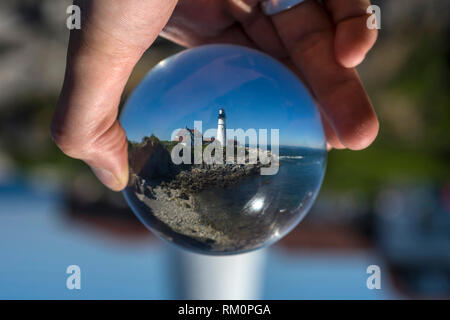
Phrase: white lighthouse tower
(221, 136)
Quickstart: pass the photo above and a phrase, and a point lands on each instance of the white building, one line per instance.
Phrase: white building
(221, 127)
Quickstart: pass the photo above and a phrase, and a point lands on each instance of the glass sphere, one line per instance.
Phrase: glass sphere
(226, 150)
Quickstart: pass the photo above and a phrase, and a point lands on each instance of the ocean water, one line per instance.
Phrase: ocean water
(300, 174)
(298, 179)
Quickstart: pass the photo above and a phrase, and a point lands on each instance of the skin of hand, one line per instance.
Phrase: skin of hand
(321, 43)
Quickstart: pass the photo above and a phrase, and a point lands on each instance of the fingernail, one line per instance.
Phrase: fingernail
(107, 178)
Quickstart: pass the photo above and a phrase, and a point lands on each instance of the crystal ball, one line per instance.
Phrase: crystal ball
(226, 150)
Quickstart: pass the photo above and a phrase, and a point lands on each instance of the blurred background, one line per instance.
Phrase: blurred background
(388, 205)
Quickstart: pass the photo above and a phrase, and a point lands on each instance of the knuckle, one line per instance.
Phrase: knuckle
(100, 139)
(68, 141)
(111, 141)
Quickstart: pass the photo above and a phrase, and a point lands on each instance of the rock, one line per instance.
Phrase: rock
(152, 162)
(148, 192)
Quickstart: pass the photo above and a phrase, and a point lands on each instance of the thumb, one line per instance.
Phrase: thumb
(100, 59)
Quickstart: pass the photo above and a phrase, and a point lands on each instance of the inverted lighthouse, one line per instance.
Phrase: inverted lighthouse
(221, 137)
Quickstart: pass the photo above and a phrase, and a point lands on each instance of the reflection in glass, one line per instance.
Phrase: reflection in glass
(226, 149)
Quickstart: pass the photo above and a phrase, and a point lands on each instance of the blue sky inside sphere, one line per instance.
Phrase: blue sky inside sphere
(255, 90)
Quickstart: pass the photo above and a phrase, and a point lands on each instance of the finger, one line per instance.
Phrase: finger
(338, 90)
(196, 23)
(353, 38)
(189, 38)
(330, 135)
(100, 59)
(258, 26)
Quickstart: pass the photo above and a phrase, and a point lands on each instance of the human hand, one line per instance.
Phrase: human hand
(326, 44)
(101, 56)
(321, 43)
(114, 35)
